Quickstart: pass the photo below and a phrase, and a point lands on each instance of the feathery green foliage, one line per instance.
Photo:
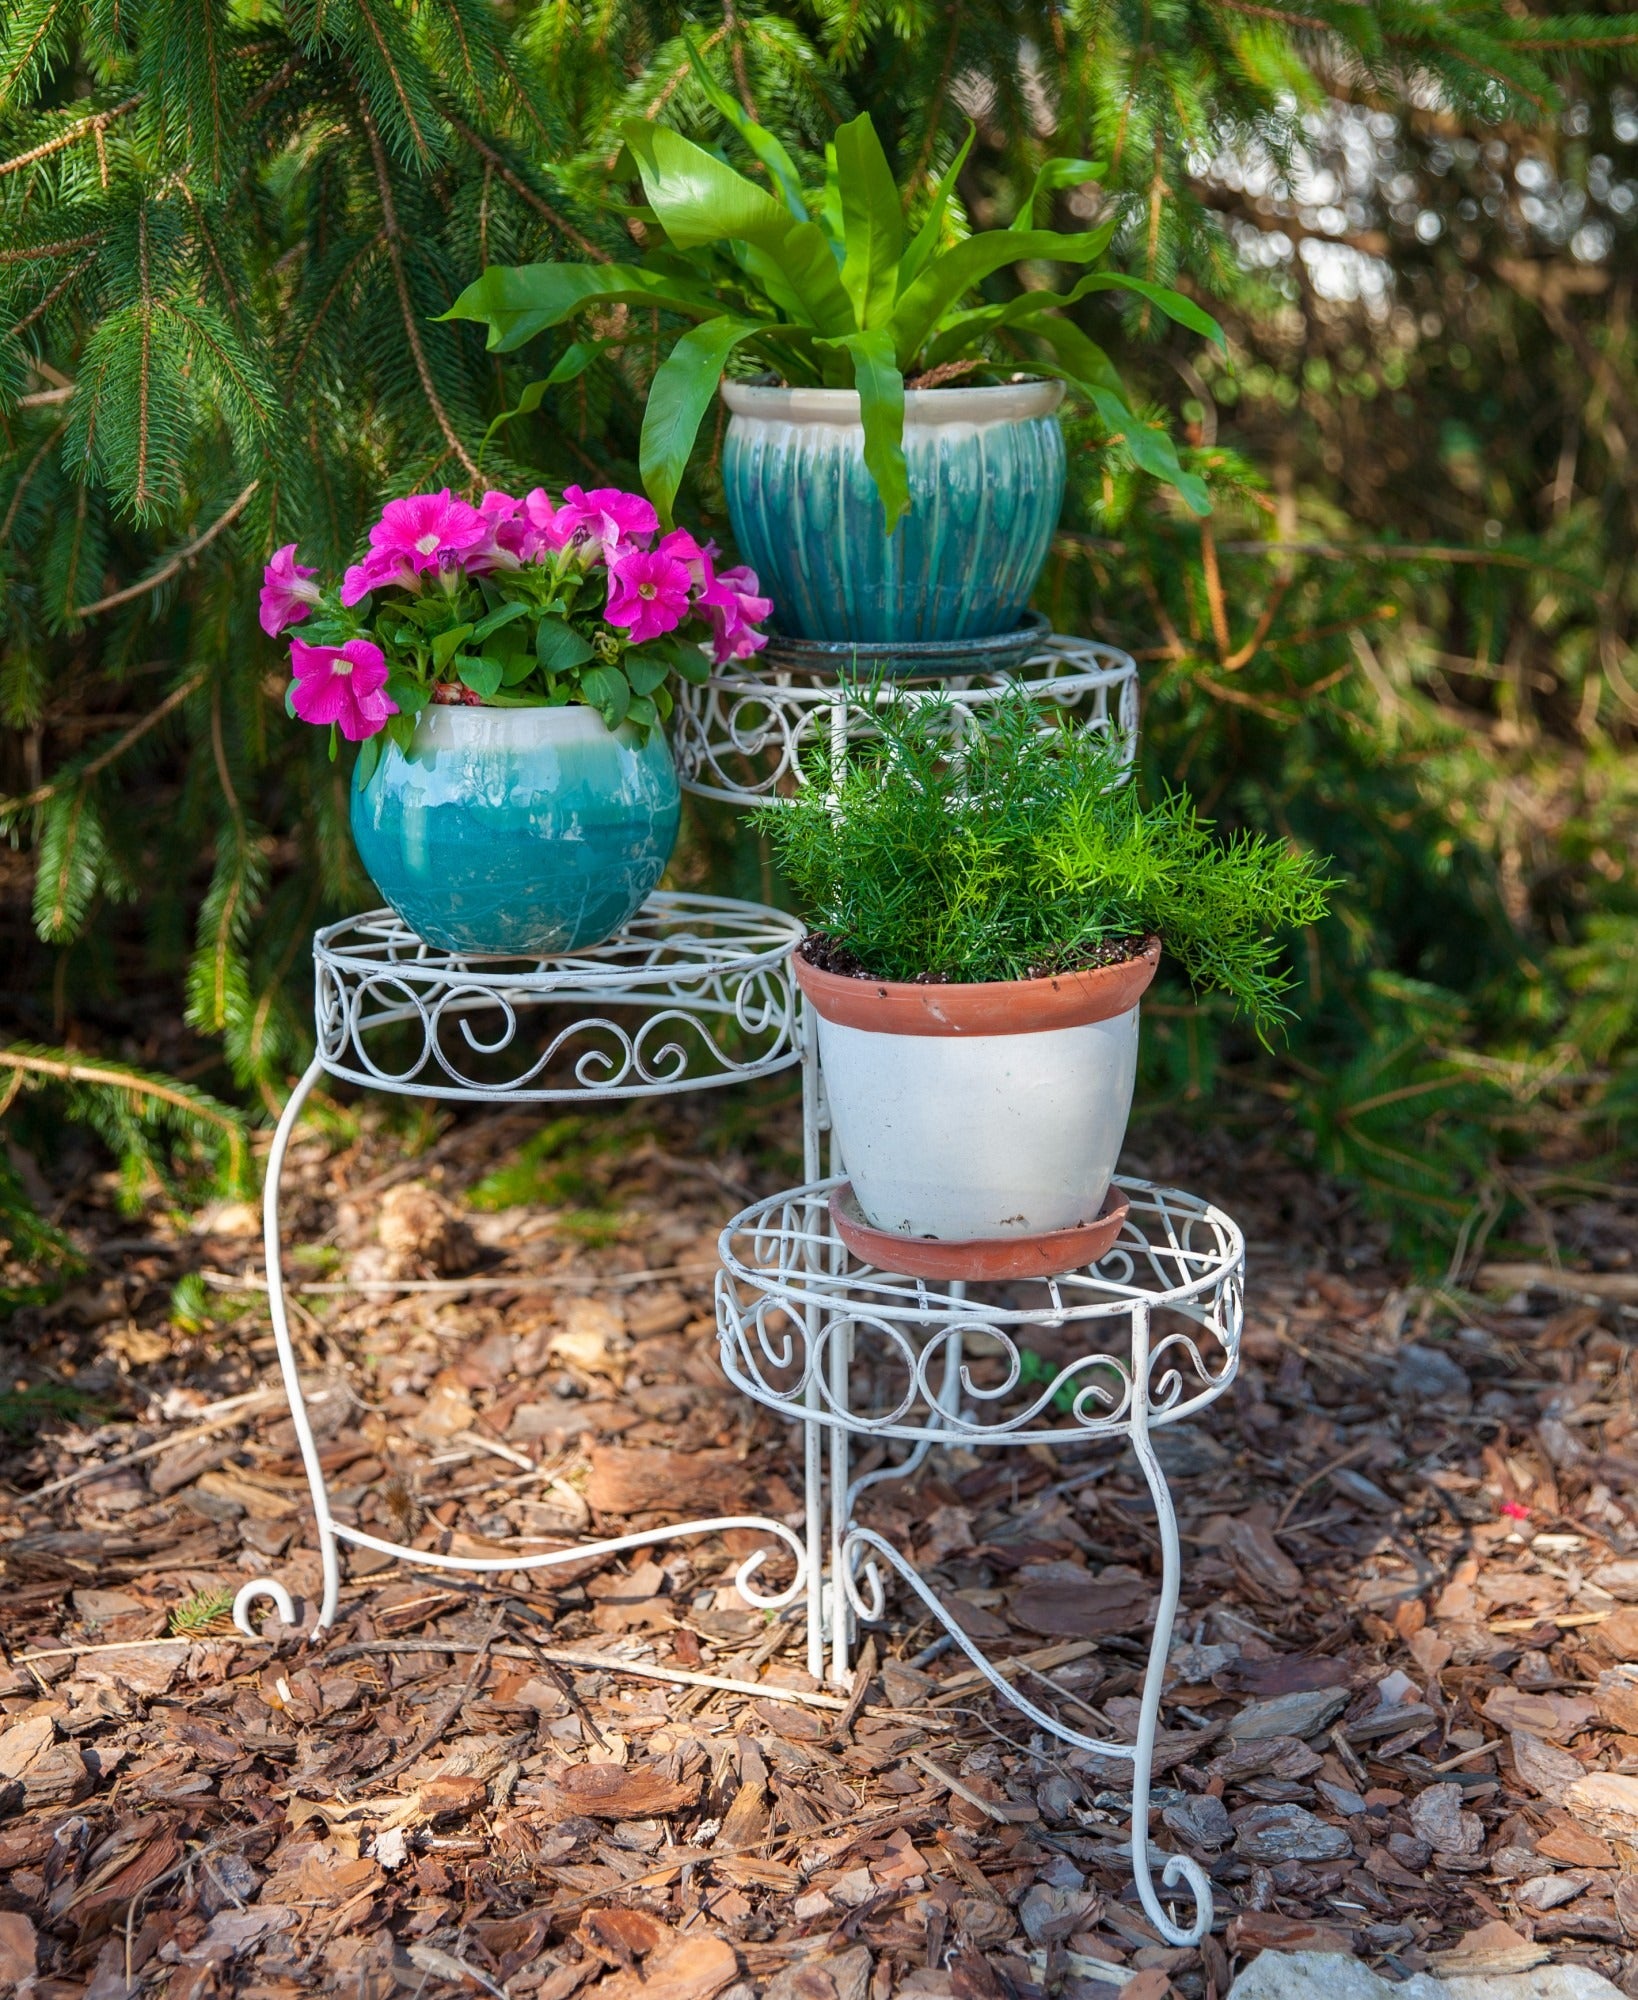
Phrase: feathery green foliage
(997, 848)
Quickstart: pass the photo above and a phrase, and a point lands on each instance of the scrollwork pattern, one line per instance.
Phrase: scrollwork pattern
(743, 736)
(702, 985)
(790, 1302)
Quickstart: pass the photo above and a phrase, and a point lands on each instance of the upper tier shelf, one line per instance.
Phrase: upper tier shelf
(741, 736)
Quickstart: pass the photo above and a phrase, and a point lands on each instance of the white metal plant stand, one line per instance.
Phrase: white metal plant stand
(694, 993)
(741, 736)
(1145, 1337)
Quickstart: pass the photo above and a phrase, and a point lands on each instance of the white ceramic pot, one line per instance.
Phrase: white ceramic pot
(978, 1112)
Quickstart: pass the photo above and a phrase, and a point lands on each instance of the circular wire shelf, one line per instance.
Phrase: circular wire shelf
(741, 737)
(694, 992)
(812, 1331)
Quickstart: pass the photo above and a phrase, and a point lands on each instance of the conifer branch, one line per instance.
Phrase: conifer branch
(524, 192)
(32, 253)
(412, 330)
(10, 808)
(39, 311)
(179, 561)
(24, 480)
(26, 1061)
(100, 122)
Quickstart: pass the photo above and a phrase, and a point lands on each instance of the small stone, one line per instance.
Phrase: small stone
(1287, 1833)
(1545, 1982)
(1437, 1816)
(1409, 1852)
(1299, 1975)
(1201, 1820)
(1300, 1714)
(1428, 1376)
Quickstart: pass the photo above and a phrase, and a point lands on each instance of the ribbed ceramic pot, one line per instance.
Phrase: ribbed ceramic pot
(986, 484)
(518, 830)
(966, 1113)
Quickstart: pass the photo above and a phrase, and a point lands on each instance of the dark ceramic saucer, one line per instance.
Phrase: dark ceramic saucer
(905, 659)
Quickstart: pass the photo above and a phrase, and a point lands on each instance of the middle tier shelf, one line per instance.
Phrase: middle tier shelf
(1146, 1336)
(741, 736)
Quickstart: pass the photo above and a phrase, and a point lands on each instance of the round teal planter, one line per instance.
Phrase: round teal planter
(986, 485)
(517, 830)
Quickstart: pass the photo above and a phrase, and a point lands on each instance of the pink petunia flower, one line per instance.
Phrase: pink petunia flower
(699, 558)
(502, 545)
(345, 685)
(612, 517)
(735, 609)
(648, 592)
(379, 567)
(430, 530)
(287, 596)
(541, 527)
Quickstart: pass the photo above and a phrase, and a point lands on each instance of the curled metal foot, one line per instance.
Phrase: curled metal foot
(262, 1586)
(1175, 1869)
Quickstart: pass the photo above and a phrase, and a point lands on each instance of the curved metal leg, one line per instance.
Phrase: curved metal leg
(329, 1555)
(1178, 1867)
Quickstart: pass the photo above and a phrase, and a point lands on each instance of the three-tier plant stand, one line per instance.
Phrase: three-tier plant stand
(696, 993)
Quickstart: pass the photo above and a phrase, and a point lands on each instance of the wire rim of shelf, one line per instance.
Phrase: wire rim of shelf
(791, 1240)
(695, 967)
(771, 716)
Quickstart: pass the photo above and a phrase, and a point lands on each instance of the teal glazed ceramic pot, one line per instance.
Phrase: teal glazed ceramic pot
(518, 831)
(986, 483)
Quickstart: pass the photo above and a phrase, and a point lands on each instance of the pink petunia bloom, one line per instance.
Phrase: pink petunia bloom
(612, 517)
(699, 558)
(430, 530)
(345, 685)
(735, 610)
(648, 592)
(502, 545)
(380, 566)
(287, 596)
(542, 529)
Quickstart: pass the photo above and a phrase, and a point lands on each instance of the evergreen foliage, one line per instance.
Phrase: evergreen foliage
(1405, 637)
(1005, 850)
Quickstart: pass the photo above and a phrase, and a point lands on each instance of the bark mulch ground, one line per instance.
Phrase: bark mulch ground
(1399, 1718)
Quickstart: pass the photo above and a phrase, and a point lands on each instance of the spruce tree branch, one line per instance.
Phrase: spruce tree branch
(31, 253)
(179, 561)
(395, 254)
(9, 808)
(322, 311)
(112, 1076)
(23, 483)
(99, 123)
(522, 189)
(51, 297)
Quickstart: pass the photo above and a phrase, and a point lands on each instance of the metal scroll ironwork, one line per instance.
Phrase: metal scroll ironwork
(742, 736)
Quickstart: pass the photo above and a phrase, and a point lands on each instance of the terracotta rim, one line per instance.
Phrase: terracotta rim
(994, 1007)
(1000, 1257)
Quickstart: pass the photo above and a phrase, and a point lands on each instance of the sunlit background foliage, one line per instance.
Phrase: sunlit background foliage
(1404, 638)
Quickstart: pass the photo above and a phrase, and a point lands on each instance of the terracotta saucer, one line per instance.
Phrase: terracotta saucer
(1044, 1256)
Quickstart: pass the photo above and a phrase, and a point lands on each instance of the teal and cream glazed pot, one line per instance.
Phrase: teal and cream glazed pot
(518, 831)
(986, 483)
